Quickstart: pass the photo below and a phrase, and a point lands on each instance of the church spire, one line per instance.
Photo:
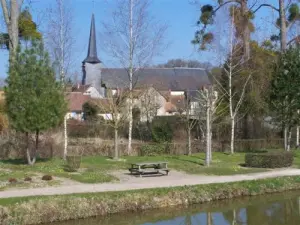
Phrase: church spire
(92, 51)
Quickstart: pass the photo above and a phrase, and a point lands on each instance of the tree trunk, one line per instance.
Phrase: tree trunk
(289, 140)
(246, 31)
(210, 144)
(130, 76)
(65, 138)
(285, 137)
(11, 16)
(116, 155)
(130, 125)
(232, 136)
(283, 28)
(31, 160)
(189, 145)
(207, 155)
(297, 136)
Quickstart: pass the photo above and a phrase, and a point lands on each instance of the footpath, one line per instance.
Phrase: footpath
(146, 183)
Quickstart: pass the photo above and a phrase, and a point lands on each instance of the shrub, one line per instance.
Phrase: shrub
(47, 177)
(162, 133)
(155, 149)
(90, 111)
(28, 179)
(269, 159)
(73, 162)
(12, 180)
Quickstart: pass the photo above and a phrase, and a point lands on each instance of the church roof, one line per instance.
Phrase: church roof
(162, 79)
(92, 56)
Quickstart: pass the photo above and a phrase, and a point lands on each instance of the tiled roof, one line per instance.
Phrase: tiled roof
(170, 108)
(76, 100)
(80, 88)
(162, 79)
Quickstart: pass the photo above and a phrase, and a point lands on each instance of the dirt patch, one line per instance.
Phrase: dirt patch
(37, 182)
(124, 176)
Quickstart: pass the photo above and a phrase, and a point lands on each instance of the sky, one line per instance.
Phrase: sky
(179, 15)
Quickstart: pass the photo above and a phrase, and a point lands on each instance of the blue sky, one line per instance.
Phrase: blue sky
(179, 15)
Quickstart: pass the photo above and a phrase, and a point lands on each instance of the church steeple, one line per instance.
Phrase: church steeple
(92, 51)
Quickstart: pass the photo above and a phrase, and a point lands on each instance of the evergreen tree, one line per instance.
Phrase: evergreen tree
(35, 100)
(285, 91)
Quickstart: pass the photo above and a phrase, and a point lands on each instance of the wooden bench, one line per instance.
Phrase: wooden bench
(149, 168)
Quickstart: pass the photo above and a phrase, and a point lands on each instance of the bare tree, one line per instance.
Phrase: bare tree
(60, 40)
(185, 63)
(11, 11)
(208, 103)
(235, 97)
(149, 101)
(113, 109)
(190, 118)
(133, 39)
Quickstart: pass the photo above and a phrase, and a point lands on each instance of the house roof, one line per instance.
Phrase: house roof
(161, 79)
(76, 100)
(80, 88)
(170, 108)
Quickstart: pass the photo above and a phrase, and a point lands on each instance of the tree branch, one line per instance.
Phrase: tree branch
(225, 3)
(5, 12)
(266, 5)
(288, 5)
(242, 96)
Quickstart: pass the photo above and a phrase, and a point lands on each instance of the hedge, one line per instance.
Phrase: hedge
(269, 159)
(155, 149)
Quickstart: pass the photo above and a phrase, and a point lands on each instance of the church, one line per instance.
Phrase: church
(169, 84)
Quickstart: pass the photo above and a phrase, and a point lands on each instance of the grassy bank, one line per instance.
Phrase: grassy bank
(58, 208)
(96, 169)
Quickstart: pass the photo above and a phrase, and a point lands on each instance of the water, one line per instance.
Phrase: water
(278, 209)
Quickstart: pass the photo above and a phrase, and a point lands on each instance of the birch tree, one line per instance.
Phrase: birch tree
(11, 10)
(232, 71)
(208, 103)
(60, 40)
(133, 39)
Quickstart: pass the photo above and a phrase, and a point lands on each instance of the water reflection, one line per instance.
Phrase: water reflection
(268, 210)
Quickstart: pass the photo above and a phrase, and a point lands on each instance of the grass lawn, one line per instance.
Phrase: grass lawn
(95, 169)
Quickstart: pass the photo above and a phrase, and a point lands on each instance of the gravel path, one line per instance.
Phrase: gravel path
(174, 179)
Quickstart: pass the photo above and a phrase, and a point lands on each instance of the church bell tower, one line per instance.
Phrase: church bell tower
(91, 66)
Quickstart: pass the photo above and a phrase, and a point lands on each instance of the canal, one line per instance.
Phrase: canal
(283, 209)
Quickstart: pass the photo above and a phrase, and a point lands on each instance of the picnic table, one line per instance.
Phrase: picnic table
(149, 168)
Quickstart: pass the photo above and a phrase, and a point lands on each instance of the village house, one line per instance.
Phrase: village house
(157, 92)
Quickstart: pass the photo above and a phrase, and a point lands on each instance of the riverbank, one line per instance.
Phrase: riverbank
(46, 209)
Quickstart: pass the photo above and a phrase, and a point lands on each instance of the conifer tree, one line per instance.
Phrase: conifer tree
(285, 92)
(35, 100)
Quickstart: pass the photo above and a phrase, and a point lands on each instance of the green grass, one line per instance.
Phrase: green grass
(45, 209)
(223, 164)
(98, 168)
